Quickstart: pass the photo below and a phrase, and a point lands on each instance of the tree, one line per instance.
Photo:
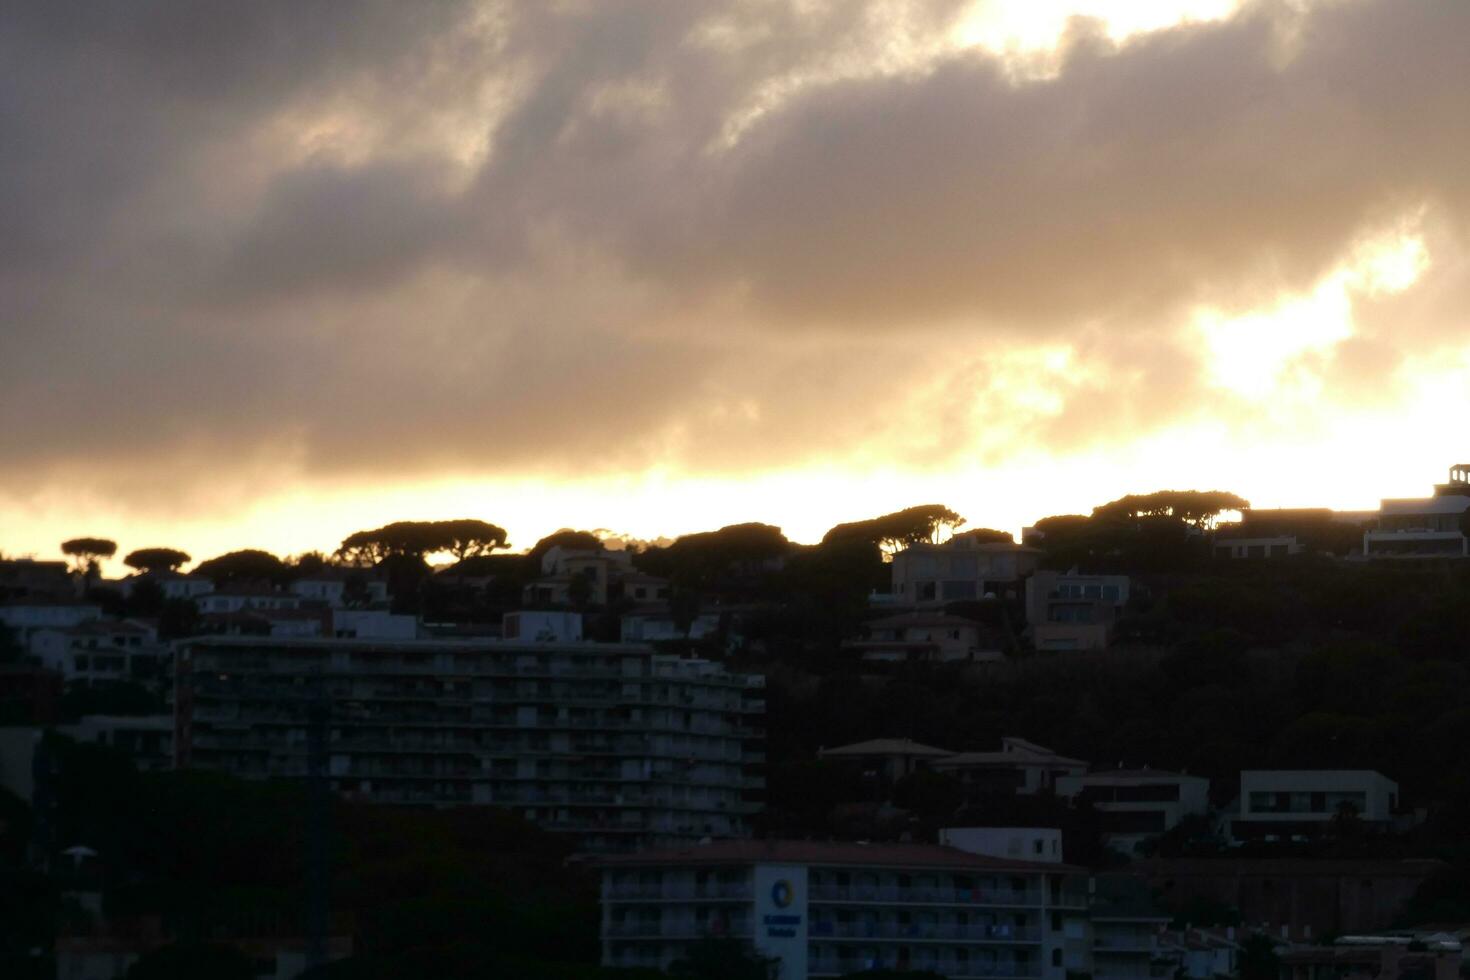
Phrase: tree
(464, 538)
(892, 532)
(249, 565)
(88, 553)
(1198, 508)
(565, 538)
(151, 560)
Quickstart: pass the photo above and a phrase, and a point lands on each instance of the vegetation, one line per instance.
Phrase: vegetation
(87, 554)
(152, 560)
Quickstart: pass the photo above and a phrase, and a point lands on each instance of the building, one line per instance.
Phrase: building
(1288, 803)
(1306, 897)
(612, 743)
(376, 624)
(101, 651)
(1374, 958)
(927, 637)
(542, 627)
(173, 585)
(23, 579)
(582, 576)
(1136, 804)
(1199, 954)
(147, 739)
(1020, 767)
(339, 588)
(1070, 611)
(962, 568)
(658, 625)
(884, 760)
(1126, 922)
(1428, 527)
(828, 909)
(25, 617)
(247, 600)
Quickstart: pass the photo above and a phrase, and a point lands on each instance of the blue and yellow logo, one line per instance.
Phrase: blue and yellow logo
(782, 893)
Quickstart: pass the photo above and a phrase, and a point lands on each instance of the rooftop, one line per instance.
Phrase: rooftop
(828, 853)
(885, 746)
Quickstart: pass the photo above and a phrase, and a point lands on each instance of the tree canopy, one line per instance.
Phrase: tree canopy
(891, 532)
(156, 559)
(463, 538)
(1199, 508)
(88, 551)
(249, 565)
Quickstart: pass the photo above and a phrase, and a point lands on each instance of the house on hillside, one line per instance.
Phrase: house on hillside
(927, 637)
(1020, 767)
(962, 568)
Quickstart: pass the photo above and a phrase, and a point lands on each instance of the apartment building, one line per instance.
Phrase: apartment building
(1136, 804)
(1286, 803)
(964, 567)
(612, 743)
(1126, 921)
(829, 909)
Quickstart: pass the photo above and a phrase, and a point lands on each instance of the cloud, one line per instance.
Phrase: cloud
(358, 242)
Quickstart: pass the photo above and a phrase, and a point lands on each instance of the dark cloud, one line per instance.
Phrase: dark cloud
(375, 240)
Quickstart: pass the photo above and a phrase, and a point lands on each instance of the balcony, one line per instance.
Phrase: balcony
(953, 968)
(731, 891)
(886, 894)
(676, 930)
(914, 931)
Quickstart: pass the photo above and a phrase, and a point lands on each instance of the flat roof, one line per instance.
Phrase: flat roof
(847, 853)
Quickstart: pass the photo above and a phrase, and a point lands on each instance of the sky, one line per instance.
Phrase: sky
(274, 272)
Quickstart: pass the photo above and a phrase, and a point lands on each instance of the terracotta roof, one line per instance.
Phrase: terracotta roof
(830, 853)
(884, 746)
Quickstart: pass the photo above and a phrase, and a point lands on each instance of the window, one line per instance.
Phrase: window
(1056, 957)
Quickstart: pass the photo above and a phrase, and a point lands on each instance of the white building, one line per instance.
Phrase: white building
(374, 624)
(1136, 804)
(25, 617)
(174, 585)
(652, 627)
(828, 909)
(885, 759)
(1287, 803)
(612, 743)
(1020, 767)
(100, 651)
(961, 568)
(246, 600)
(340, 587)
(1427, 527)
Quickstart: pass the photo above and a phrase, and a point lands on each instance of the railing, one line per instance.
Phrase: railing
(954, 969)
(913, 930)
(949, 896)
(679, 892)
(676, 930)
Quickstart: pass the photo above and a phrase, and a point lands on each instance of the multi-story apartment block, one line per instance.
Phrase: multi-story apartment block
(611, 742)
(1126, 921)
(1136, 804)
(964, 567)
(1304, 802)
(828, 909)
